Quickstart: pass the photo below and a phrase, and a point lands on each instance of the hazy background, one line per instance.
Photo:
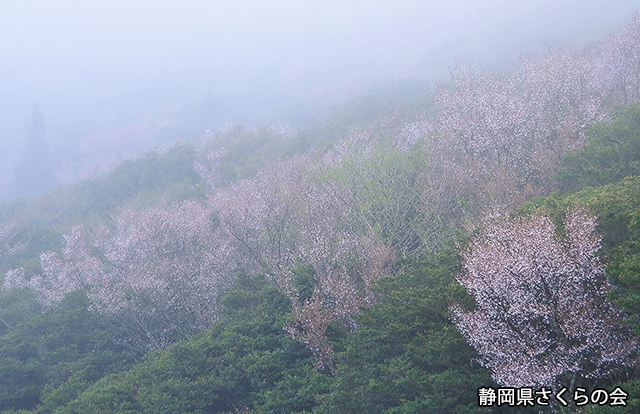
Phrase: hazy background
(116, 78)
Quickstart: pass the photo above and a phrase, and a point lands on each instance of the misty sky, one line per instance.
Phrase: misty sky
(108, 75)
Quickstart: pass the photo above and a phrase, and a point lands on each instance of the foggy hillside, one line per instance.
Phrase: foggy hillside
(116, 79)
(417, 208)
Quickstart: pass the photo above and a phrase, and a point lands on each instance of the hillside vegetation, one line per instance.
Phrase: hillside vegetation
(393, 267)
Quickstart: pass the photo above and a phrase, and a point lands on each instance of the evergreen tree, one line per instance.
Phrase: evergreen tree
(35, 172)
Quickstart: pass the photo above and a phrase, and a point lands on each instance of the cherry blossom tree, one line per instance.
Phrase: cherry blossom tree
(158, 274)
(622, 58)
(288, 215)
(74, 269)
(499, 139)
(259, 214)
(71, 270)
(166, 268)
(543, 317)
(496, 139)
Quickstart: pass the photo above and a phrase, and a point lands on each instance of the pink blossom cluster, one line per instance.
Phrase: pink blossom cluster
(542, 317)
(290, 214)
(73, 270)
(166, 268)
(622, 60)
(157, 274)
(498, 139)
(77, 269)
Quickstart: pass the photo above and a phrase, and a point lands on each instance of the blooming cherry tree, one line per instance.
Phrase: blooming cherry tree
(74, 269)
(166, 268)
(288, 215)
(542, 317)
(622, 58)
(499, 139)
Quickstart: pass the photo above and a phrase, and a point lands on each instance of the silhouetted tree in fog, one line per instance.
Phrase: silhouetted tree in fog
(35, 172)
